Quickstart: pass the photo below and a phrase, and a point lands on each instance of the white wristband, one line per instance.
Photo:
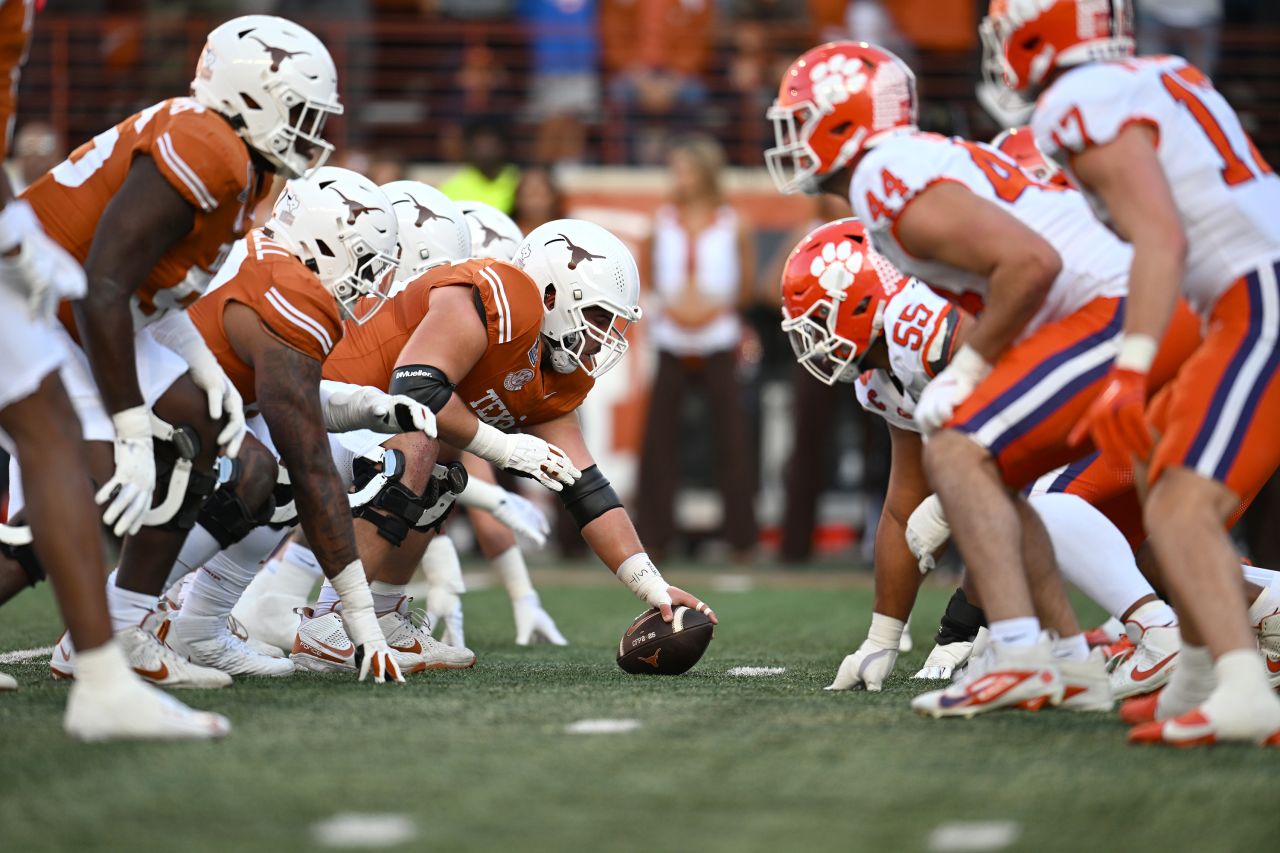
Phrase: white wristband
(133, 423)
(1137, 353)
(642, 577)
(490, 444)
(17, 220)
(357, 604)
(885, 632)
(967, 362)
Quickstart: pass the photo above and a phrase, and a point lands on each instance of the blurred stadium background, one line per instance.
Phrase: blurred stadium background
(576, 104)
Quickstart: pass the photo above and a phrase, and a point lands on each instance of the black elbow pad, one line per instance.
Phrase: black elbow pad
(426, 384)
(590, 497)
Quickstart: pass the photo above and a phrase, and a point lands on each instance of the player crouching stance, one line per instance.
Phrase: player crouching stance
(1163, 158)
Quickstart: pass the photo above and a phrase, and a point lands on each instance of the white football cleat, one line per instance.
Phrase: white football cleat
(207, 641)
(270, 605)
(239, 630)
(408, 634)
(1150, 665)
(321, 644)
(866, 669)
(1269, 643)
(1006, 677)
(148, 656)
(944, 660)
(534, 624)
(444, 611)
(7, 682)
(1086, 685)
(130, 709)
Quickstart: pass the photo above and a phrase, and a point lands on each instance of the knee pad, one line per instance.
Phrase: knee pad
(382, 499)
(25, 556)
(961, 621)
(181, 489)
(283, 511)
(225, 514)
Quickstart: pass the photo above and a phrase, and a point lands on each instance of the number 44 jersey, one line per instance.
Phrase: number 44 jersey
(898, 170)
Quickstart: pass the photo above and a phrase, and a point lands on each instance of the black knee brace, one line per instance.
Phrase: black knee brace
(184, 444)
(225, 514)
(961, 621)
(394, 508)
(25, 556)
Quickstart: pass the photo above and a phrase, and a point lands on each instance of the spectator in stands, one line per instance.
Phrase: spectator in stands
(36, 150)
(702, 264)
(488, 175)
(656, 53)
(564, 90)
(1187, 28)
(539, 199)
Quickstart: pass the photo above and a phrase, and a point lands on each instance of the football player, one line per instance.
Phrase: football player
(1046, 287)
(1165, 163)
(847, 311)
(39, 426)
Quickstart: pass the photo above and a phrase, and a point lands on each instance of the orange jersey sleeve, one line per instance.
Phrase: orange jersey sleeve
(202, 158)
(15, 37)
(285, 295)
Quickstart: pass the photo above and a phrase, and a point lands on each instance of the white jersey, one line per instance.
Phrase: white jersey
(920, 333)
(1094, 262)
(1227, 195)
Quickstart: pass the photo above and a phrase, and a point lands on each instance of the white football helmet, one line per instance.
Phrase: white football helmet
(493, 233)
(432, 230)
(277, 84)
(341, 226)
(591, 292)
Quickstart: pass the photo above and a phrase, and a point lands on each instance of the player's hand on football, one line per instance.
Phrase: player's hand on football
(34, 266)
(534, 624)
(1116, 420)
(544, 462)
(677, 597)
(941, 397)
(523, 517)
(127, 494)
(866, 669)
(378, 661)
(927, 532)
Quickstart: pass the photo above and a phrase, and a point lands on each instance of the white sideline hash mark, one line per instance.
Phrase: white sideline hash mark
(757, 671)
(970, 835)
(352, 829)
(601, 727)
(26, 655)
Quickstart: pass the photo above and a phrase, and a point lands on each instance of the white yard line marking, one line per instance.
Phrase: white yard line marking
(974, 835)
(352, 829)
(26, 655)
(757, 671)
(601, 727)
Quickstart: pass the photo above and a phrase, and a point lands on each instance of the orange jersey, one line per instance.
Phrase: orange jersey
(285, 295)
(201, 157)
(15, 37)
(511, 386)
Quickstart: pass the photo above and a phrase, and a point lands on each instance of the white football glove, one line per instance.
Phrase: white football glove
(524, 454)
(866, 669)
(927, 532)
(534, 624)
(377, 659)
(944, 660)
(444, 612)
(523, 516)
(940, 398)
(41, 271)
(130, 487)
(176, 332)
(351, 407)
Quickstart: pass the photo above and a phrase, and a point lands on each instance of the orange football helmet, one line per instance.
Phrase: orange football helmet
(1025, 41)
(834, 292)
(834, 102)
(1019, 144)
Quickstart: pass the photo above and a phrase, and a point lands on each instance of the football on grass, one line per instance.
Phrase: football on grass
(653, 647)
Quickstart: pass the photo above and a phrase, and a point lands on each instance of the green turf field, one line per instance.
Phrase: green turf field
(480, 760)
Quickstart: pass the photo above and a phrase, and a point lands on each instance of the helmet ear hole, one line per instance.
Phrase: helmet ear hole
(861, 307)
(324, 249)
(549, 296)
(249, 102)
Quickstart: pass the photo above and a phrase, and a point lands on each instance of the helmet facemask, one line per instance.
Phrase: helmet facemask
(365, 288)
(305, 122)
(587, 335)
(829, 357)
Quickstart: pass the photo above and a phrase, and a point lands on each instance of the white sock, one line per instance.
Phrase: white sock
(127, 608)
(303, 557)
(441, 566)
(1092, 554)
(103, 668)
(224, 577)
(1022, 631)
(1267, 602)
(1259, 576)
(1153, 614)
(1191, 683)
(329, 599)
(386, 596)
(514, 573)
(1071, 648)
(885, 631)
(196, 551)
(1243, 704)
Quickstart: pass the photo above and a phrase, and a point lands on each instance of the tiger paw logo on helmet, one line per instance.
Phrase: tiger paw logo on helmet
(837, 79)
(836, 267)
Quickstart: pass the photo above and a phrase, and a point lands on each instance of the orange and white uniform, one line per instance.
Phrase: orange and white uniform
(509, 388)
(1224, 407)
(16, 21)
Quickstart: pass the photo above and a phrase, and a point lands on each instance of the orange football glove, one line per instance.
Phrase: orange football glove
(1115, 420)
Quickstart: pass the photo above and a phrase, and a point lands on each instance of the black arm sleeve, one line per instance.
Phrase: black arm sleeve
(590, 497)
(424, 383)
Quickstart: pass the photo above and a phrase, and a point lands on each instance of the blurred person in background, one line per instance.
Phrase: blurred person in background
(564, 90)
(702, 274)
(538, 199)
(1186, 28)
(36, 150)
(488, 174)
(656, 53)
